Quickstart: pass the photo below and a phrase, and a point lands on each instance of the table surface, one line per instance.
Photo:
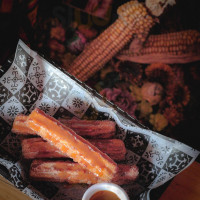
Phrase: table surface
(185, 186)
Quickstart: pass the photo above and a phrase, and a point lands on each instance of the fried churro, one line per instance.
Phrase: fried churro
(91, 128)
(72, 145)
(84, 128)
(66, 171)
(19, 126)
(61, 171)
(33, 148)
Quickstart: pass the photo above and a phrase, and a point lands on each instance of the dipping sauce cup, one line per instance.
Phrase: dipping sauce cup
(105, 191)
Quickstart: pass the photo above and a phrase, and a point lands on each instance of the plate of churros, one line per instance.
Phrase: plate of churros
(59, 137)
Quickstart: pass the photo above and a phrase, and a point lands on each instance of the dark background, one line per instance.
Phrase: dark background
(184, 15)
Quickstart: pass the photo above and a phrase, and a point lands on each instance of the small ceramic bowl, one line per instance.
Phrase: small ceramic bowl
(120, 192)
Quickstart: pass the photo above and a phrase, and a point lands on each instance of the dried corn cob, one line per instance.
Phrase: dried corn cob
(178, 47)
(72, 145)
(133, 20)
(66, 171)
(85, 128)
(157, 7)
(34, 148)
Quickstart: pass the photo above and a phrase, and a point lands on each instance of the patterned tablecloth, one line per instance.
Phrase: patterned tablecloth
(31, 81)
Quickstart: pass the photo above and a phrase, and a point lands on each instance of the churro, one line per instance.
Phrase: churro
(19, 126)
(66, 171)
(84, 128)
(91, 128)
(34, 148)
(72, 145)
(61, 171)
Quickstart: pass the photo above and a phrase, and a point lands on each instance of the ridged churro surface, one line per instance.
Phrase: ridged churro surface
(33, 148)
(72, 145)
(66, 171)
(61, 171)
(84, 128)
(91, 128)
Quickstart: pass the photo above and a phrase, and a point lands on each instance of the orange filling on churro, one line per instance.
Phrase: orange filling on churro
(38, 148)
(73, 145)
(84, 128)
(20, 127)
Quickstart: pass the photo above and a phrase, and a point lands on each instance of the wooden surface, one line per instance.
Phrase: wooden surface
(9, 192)
(185, 186)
